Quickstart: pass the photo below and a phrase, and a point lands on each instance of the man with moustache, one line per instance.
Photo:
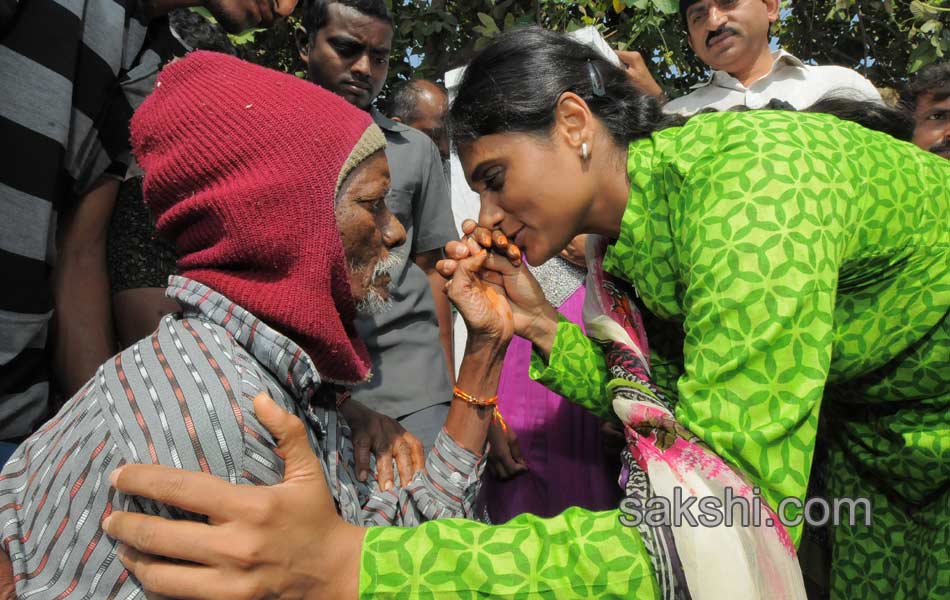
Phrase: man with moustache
(927, 101)
(346, 45)
(732, 37)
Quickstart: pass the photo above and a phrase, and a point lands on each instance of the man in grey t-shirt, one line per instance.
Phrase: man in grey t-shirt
(346, 47)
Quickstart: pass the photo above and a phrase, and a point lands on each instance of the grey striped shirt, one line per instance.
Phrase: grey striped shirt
(183, 397)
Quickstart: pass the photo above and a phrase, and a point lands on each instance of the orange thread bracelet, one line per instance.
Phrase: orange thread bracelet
(470, 399)
(500, 420)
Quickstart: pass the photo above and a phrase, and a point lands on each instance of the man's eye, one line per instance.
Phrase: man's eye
(347, 50)
(940, 116)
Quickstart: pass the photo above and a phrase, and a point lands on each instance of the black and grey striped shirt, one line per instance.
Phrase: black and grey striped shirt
(71, 73)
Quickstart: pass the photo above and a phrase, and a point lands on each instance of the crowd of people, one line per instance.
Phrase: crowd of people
(227, 365)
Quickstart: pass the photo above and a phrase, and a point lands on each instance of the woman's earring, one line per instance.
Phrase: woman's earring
(584, 154)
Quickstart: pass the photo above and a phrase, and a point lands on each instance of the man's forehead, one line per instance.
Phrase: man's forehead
(686, 6)
(934, 99)
(347, 21)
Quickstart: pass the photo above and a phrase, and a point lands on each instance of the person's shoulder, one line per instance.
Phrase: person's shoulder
(689, 104)
(402, 134)
(179, 396)
(834, 78)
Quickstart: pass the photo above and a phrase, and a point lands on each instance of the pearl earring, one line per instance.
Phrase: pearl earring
(584, 154)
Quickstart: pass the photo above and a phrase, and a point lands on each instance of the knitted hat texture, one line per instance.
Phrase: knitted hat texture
(242, 164)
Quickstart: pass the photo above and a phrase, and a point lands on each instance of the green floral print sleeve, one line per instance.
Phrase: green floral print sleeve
(575, 370)
(576, 555)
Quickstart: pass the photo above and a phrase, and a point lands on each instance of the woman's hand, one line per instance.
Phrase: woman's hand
(483, 306)
(533, 316)
(280, 541)
(576, 251)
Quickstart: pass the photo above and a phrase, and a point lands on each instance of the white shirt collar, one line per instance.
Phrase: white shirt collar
(726, 80)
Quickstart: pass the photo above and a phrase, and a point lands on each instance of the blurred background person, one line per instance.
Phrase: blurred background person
(927, 100)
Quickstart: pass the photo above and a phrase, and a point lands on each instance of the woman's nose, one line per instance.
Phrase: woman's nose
(490, 215)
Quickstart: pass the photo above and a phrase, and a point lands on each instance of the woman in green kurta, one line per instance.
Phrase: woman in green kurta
(787, 265)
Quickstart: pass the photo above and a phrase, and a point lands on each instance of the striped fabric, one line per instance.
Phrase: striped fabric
(183, 397)
(71, 73)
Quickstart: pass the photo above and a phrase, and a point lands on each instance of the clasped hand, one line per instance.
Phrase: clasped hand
(492, 288)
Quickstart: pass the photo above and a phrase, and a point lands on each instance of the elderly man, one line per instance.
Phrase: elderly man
(272, 190)
(71, 74)
(346, 47)
(927, 100)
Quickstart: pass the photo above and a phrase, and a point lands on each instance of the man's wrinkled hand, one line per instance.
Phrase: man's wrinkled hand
(503, 270)
(7, 585)
(387, 440)
(504, 454)
(280, 541)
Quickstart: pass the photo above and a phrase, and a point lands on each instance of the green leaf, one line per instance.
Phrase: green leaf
(921, 56)
(245, 37)
(488, 22)
(931, 25)
(667, 7)
(204, 12)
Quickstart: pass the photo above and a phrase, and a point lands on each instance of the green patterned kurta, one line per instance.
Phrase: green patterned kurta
(788, 263)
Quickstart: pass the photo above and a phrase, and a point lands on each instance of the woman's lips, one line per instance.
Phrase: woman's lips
(519, 239)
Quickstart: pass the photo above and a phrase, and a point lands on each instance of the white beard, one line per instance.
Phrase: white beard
(374, 303)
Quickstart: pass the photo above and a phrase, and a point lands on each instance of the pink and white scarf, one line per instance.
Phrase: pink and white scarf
(690, 562)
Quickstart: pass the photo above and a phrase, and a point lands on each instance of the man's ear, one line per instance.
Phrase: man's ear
(303, 44)
(396, 119)
(773, 6)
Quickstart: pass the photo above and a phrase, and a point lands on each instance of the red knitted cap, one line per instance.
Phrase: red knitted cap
(241, 166)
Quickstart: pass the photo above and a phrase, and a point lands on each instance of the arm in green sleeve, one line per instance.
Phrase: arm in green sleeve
(759, 257)
(578, 554)
(575, 370)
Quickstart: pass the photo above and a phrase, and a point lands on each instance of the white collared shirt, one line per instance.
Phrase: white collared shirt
(789, 79)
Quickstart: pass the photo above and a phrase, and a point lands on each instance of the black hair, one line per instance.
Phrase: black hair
(198, 32)
(405, 99)
(315, 12)
(514, 83)
(932, 79)
(868, 113)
